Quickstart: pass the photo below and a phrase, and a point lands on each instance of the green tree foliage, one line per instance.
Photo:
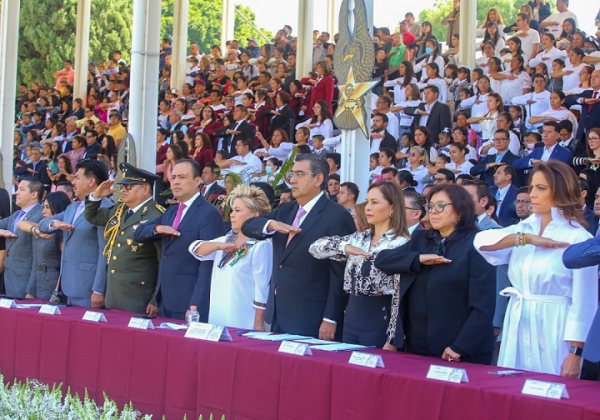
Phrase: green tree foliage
(508, 9)
(47, 35)
(204, 23)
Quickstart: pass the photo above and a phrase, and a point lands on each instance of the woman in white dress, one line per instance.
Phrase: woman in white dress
(320, 123)
(242, 266)
(551, 307)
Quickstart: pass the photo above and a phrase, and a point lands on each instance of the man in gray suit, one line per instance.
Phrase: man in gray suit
(19, 250)
(480, 193)
(83, 267)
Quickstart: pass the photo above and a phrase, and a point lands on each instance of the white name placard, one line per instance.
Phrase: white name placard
(49, 310)
(7, 303)
(210, 332)
(291, 347)
(448, 374)
(94, 316)
(545, 389)
(140, 323)
(366, 359)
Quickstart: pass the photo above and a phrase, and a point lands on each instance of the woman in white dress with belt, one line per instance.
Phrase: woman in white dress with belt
(242, 266)
(551, 307)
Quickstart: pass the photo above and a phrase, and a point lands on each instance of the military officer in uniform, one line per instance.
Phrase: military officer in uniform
(132, 270)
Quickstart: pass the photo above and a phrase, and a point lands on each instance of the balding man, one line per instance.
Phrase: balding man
(590, 110)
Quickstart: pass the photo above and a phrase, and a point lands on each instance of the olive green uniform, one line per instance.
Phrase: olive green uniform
(132, 271)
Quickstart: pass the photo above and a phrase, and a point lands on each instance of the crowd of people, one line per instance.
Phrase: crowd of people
(476, 241)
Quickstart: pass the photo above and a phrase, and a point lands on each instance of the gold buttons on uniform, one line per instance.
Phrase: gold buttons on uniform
(122, 232)
(112, 271)
(143, 283)
(115, 258)
(118, 245)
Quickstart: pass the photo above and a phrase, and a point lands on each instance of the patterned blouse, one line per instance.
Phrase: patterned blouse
(361, 277)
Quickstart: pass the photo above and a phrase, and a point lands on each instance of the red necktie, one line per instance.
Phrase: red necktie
(203, 191)
(590, 106)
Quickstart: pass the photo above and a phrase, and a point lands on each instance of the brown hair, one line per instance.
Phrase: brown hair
(361, 217)
(394, 196)
(566, 191)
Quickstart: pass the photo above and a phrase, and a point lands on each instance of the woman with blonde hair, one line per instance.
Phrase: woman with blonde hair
(242, 266)
(418, 161)
(368, 319)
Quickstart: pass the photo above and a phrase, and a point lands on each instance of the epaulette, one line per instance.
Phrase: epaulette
(160, 208)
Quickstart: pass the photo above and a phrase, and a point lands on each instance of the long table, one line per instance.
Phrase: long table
(164, 373)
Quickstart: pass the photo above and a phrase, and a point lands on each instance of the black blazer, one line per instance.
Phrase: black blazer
(487, 175)
(388, 142)
(308, 289)
(439, 118)
(461, 295)
(214, 192)
(92, 151)
(286, 121)
(41, 173)
(508, 213)
(246, 132)
(589, 118)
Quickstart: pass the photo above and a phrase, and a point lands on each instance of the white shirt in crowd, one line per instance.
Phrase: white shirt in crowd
(541, 104)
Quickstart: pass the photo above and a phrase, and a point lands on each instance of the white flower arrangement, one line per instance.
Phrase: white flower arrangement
(34, 400)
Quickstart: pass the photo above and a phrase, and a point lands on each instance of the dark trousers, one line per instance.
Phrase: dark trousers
(366, 320)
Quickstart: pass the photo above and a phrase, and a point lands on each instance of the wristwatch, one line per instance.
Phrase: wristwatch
(577, 351)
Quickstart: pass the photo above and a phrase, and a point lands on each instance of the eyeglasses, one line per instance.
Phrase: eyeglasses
(438, 207)
(593, 138)
(413, 154)
(127, 187)
(298, 174)
(522, 202)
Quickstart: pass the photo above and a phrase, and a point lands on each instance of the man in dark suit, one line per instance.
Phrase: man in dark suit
(38, 168)
(240, 129)
(19, 249)
(93, 147)
(551, 149)
(590, 109)
(283, 116)
(183, 281)
(306, 295)
(210, 189)
(486, 168)
(431, 114)
(380, 137)
(506, 194)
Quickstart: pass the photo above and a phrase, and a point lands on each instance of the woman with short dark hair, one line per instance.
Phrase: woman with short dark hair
(446, 297)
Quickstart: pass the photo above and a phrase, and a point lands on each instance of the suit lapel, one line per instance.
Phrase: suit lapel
(191, 212)
(311, 218)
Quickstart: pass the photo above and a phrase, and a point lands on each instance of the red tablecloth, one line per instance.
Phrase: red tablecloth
(162, 372)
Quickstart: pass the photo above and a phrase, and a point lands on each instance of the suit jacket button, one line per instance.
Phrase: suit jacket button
(112, 271)
(281, 266)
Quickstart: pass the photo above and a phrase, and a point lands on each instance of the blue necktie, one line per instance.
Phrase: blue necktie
(17, 220)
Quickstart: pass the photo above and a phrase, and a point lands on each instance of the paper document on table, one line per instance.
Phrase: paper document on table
(172, 326)
(279, 337)
(315, 341)
(257, 334)
(338, 347)
(29, 305)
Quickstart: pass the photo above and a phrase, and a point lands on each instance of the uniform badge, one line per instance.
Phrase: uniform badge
(129, 241)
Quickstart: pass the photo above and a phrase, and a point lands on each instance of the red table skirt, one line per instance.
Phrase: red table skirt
(164, 373)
